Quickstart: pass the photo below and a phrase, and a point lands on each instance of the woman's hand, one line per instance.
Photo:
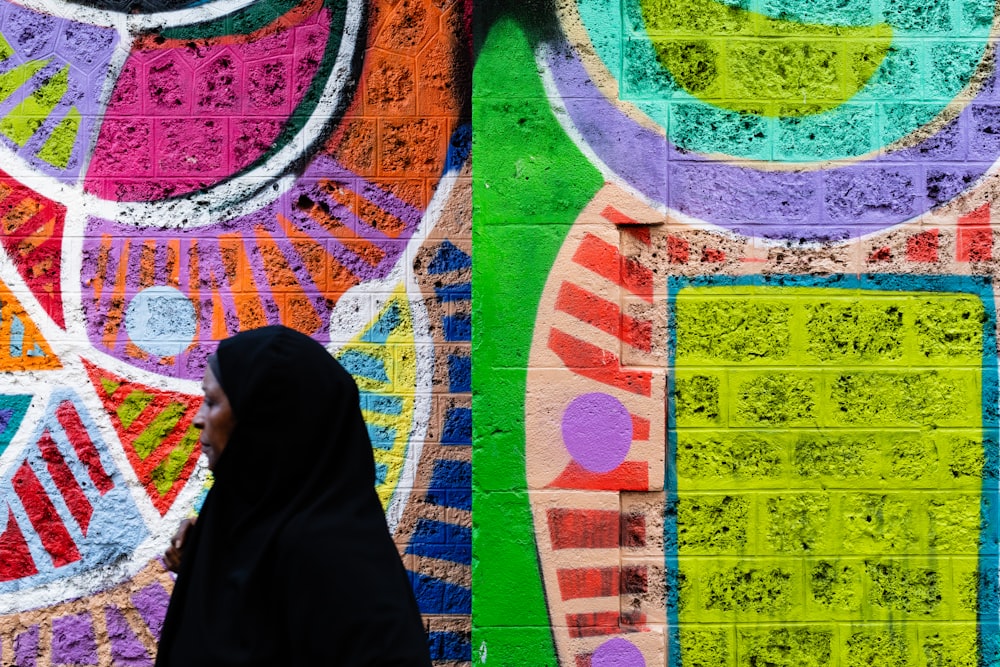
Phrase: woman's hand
(172, 556)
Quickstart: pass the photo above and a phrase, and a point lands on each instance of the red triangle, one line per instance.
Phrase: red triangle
(146, 469)
(15, 557)
(31, 233)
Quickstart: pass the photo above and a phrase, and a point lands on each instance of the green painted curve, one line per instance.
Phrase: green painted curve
(530, 183)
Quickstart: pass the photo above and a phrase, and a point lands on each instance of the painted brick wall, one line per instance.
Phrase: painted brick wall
(173, 172)
(735, 382)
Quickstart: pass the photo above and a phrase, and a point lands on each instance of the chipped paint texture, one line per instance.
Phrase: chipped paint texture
(174, 172)
(735, 383)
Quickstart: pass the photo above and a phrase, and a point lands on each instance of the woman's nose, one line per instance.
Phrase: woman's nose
(199, 418)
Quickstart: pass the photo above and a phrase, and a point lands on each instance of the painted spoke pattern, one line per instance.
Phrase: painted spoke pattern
(383, 361)
(289, 264)
(31, 229)
(437, 524)
(25, 348)
(48, 95)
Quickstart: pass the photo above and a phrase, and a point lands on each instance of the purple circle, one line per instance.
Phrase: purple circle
(617, 652)
(597, 431)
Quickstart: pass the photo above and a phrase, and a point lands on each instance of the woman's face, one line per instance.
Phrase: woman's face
(215, 419)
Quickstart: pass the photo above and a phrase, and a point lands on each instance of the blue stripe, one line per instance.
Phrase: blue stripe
(451, 484)
(450, 646)
(459, 148)
(457, 327)
(382, 437)
(435, 596)
(363, 365)
(457, 427)
(381, 403)
(383, 328)
(445, 541)
(459, 292)
(459, 373)
(448, 258)
(16, 337)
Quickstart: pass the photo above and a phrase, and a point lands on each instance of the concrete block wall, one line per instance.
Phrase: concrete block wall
(173, 172)
(735, 373)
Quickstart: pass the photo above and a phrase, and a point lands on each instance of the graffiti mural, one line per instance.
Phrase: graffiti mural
(735, 379)
(176, 172)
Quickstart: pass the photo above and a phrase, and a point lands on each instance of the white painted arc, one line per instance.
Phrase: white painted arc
(232, 198)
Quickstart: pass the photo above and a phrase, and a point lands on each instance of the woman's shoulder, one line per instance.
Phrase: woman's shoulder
(309, 539)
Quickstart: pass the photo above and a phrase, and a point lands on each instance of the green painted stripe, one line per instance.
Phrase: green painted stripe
(170, 468)
(22, 123)
(527, 171)
(58, 148)
(132, 407)
(109, 386)
(161, 427)
(17, 77)
(6, 50)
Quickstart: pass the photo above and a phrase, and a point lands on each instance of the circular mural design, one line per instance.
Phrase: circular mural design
(798, 81)
(189, 160)
(185, 136)
(798, 121)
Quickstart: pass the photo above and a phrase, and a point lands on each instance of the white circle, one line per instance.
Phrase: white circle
(161, 320)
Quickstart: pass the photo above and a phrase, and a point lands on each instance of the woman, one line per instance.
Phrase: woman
(290, 563)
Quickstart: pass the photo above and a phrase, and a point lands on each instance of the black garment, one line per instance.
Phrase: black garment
(290, 563)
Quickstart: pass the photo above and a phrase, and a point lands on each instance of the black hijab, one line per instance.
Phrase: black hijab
(290, 563)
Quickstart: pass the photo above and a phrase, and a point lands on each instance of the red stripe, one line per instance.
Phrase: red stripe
(604, 259)
(593, 624)
(923, 247)
(631, 225)
(611, 214)
(588, 582)
(89, 456)
(74, 496)
(634, 580)
(31, 225)
(605, 315)
(15, 557)
(883, 254)
(598, 364)
(43, 516)
(974, 240)
(11, 202)
(583, 529)
(629, 476)
(640, 232)
(633, 530)
(713, 255)
(640, 428)
(974, 244)
(977, 218)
